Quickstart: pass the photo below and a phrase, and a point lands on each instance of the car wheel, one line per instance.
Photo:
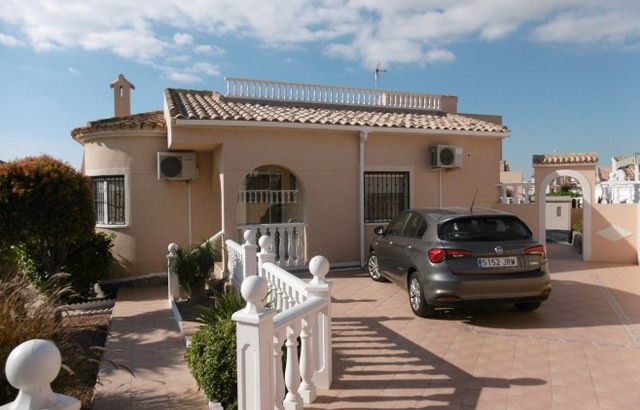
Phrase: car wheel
(374, 268)
(528, 306)
(419, 306)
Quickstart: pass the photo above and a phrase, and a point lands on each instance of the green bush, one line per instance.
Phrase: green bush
(87, 263)
(211, 358)
(46, 207)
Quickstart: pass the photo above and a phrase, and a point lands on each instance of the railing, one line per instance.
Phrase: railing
(289, 239)
(298, 310)
(607, 192)
(31, 368)
(268, 196)
(322, 94)
(517, 193)
(618, 192)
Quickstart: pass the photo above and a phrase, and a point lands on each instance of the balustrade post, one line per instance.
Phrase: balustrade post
(307, 388)
(321, 334)
(293, 400)
(254, 347)
(30, 368)
(250, 254)
(172, 277)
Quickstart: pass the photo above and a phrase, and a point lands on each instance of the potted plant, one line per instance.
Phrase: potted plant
(193, 266)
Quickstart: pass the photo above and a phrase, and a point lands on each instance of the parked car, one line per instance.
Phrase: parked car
(449, 257)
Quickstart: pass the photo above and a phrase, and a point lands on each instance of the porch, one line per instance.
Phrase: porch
(579, 350)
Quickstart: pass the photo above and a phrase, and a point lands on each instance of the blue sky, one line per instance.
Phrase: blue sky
(564, 74)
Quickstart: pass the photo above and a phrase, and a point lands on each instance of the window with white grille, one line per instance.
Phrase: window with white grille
(109, 200)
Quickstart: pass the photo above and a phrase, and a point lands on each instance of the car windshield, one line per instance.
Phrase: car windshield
(484, 228)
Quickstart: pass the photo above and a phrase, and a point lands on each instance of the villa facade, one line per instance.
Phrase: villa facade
(315, 167)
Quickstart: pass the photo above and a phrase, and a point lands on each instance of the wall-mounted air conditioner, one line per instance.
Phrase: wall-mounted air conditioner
(177, 165)
(445, 156)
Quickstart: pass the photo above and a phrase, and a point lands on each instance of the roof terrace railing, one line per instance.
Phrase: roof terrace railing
(322, 94)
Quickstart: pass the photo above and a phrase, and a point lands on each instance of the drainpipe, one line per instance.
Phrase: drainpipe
(363, 138)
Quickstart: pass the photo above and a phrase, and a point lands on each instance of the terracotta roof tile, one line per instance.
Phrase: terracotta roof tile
(565, 159)
(207, 105)
(148, 120)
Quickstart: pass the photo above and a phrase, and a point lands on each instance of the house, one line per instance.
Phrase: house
(316, 167)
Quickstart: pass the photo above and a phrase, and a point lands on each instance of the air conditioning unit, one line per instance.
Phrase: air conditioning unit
(445, 156)
(177, 165)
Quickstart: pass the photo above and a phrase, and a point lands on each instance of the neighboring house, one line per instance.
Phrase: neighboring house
(316, 167)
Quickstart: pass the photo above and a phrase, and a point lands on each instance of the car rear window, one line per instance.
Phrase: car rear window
(501, 228)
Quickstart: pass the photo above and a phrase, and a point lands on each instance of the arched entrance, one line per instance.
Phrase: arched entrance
(271, 201)
(587, 192)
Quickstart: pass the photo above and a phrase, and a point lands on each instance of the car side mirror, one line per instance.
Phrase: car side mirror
(378, 230)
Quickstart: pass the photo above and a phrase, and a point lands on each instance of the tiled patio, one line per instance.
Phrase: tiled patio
(580, 350)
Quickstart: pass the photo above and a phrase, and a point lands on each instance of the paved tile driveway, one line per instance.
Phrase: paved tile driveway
(580, 350)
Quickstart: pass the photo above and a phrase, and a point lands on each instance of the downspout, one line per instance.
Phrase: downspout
(363, 138)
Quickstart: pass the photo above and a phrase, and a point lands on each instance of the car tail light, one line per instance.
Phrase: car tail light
(536, 250)
(437, 255)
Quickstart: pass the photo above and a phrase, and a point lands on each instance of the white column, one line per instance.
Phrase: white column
(250, 254)
(254, 333)
(172, 277)
(321, 335)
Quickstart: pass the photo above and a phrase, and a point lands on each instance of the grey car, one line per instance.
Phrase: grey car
(449, 257)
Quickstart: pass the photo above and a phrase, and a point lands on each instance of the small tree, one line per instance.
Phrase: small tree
(46, 207)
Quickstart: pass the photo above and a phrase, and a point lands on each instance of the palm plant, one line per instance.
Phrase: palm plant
(193, 266)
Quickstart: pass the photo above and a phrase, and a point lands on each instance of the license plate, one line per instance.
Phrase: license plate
(501, 262)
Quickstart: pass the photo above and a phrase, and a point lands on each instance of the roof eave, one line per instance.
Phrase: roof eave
(354, 128)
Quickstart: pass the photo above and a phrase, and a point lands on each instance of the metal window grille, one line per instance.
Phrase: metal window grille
(109, 200)
(386, 194)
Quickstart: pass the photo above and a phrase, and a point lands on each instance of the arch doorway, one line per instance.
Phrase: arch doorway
(271, 201)
(587, 198)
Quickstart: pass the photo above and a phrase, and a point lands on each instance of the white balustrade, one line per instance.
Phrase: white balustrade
(30, 368)
(235, 263)
(298, 310)
(517, 193)
(268, 196)
(618, 192)
(289, 241)
(313, 93)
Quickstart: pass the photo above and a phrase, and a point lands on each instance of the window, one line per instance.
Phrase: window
(416, 227)
(386, 194)
(109, 200)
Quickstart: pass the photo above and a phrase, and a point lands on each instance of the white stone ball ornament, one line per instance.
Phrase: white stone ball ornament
(31, 367)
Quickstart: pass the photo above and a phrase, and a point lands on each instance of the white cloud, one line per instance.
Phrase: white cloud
(10, 41)
(182, 77)
(367, 31)
(205, 68)
(209, 49)
(74, 71)
(182, 39)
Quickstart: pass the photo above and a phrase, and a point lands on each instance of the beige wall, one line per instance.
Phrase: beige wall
(621, 248)
(326, 163)
(159, 211)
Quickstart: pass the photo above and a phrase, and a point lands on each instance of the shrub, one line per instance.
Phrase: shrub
(45, 207)
(87, 263)
(211, 358)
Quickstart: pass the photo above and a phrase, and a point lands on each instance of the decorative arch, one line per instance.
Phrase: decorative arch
(271, 194)
(587, 194)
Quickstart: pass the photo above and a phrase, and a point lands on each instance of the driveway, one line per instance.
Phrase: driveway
(579, 350)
